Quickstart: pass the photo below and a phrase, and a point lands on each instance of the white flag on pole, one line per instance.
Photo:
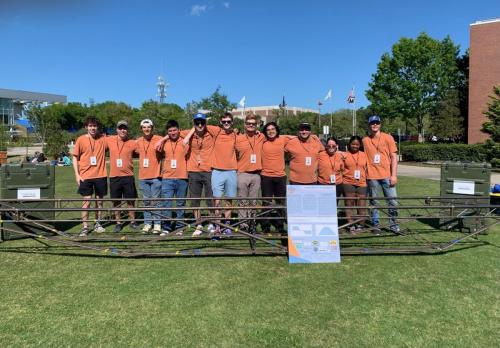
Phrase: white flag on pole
(242, 102)
(328, 95)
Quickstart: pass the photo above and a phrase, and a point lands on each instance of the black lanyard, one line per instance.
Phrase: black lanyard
(146, 149)
(119, 149)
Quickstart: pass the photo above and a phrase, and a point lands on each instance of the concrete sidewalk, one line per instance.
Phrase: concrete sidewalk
(432, 173)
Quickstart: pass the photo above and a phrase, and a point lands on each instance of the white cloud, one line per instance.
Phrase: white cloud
(197, 10)
(226, 4)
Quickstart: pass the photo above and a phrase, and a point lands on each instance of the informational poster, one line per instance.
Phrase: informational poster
(313, 231)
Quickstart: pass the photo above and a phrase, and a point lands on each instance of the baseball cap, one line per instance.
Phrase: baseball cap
(373, 118)
(305, 125)
(147, 122)
(122, 123)
(199, 116)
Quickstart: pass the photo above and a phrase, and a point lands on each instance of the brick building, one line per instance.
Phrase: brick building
(484, 73)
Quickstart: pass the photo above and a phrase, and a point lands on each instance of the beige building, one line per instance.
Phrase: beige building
(267, 113)
(484, 73)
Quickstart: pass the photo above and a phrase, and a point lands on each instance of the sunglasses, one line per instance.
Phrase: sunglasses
(226, 122)
(123, 128)
(199, 123)
(251, 124)
(331, 146)
(375, 122)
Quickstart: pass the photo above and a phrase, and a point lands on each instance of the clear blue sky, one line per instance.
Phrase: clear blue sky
(114, 50)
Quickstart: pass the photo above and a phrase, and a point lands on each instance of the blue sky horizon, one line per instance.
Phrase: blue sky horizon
(115, 50)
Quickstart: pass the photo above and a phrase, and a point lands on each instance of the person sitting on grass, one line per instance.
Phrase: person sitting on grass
(89, 164)
(354, 183)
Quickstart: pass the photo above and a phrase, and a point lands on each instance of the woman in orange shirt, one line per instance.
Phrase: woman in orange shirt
(331, 166)
(354, 182)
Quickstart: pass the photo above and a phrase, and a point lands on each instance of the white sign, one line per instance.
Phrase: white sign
(463, 187)
(326, 129)
(28, 193)
(313, 234)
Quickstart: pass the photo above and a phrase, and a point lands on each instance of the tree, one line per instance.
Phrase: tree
(110, 112)
(47, 124)
(492, 127)
(216, 105)
(412, 80)
(447, 121)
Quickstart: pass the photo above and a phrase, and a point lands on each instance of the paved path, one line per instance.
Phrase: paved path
(432, 173)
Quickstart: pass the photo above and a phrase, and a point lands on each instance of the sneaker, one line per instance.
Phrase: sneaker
(84, 232)
(376, 230)
(134, 225)
(164, 233)
(359, 228)
(157, 229)
(118, 228)
(352, 230)
(98, 228)
(198, 232)
(179, 233)
(146, 228)
(211, 228)
(227, 232)
(396, 229)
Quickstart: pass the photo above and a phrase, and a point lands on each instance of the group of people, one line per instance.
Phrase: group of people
(220, 163)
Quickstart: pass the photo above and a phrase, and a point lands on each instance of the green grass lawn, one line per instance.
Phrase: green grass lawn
(450, 299)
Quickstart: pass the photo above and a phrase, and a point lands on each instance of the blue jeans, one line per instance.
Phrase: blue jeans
(373, 187)
(171, 188)
(151, 188)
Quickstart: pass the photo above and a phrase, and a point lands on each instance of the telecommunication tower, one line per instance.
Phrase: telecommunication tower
(162, 89)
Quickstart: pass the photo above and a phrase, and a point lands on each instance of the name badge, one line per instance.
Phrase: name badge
(332, 179)
(308, 161)
(145, 163)
(357, 174)
(119, 162)
(93, 161)
(376, 158)
(173, 164)
(253, 158)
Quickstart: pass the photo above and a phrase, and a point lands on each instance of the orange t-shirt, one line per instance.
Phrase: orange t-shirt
(123, 150)
(174, 165)
(304, 160)
(330, 165)
(384, 145)
(273, 156)
(199, 152)
(87, 147)
(354, 162)
(249, 151)
(146, 150)
(223, 154)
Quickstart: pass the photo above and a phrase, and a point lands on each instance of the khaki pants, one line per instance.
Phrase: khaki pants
(248, 187)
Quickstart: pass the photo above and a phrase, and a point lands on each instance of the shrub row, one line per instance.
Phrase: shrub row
(444, 152)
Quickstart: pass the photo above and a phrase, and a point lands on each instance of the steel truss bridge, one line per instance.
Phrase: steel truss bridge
(428, 225)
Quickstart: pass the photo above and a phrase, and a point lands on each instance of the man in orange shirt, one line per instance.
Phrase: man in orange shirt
(149, 175)
(89, 164)
(199, 165)
(249, 153)
(121, 174)
(304, 152)
(381, 151)
(224, 164)
(175, 177)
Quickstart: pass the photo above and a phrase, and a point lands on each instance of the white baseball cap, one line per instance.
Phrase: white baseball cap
(147, 122)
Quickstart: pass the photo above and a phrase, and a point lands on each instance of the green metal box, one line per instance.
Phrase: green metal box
(28, 182)
(469, 184)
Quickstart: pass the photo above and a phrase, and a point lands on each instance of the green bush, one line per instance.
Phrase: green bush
(444, 152)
